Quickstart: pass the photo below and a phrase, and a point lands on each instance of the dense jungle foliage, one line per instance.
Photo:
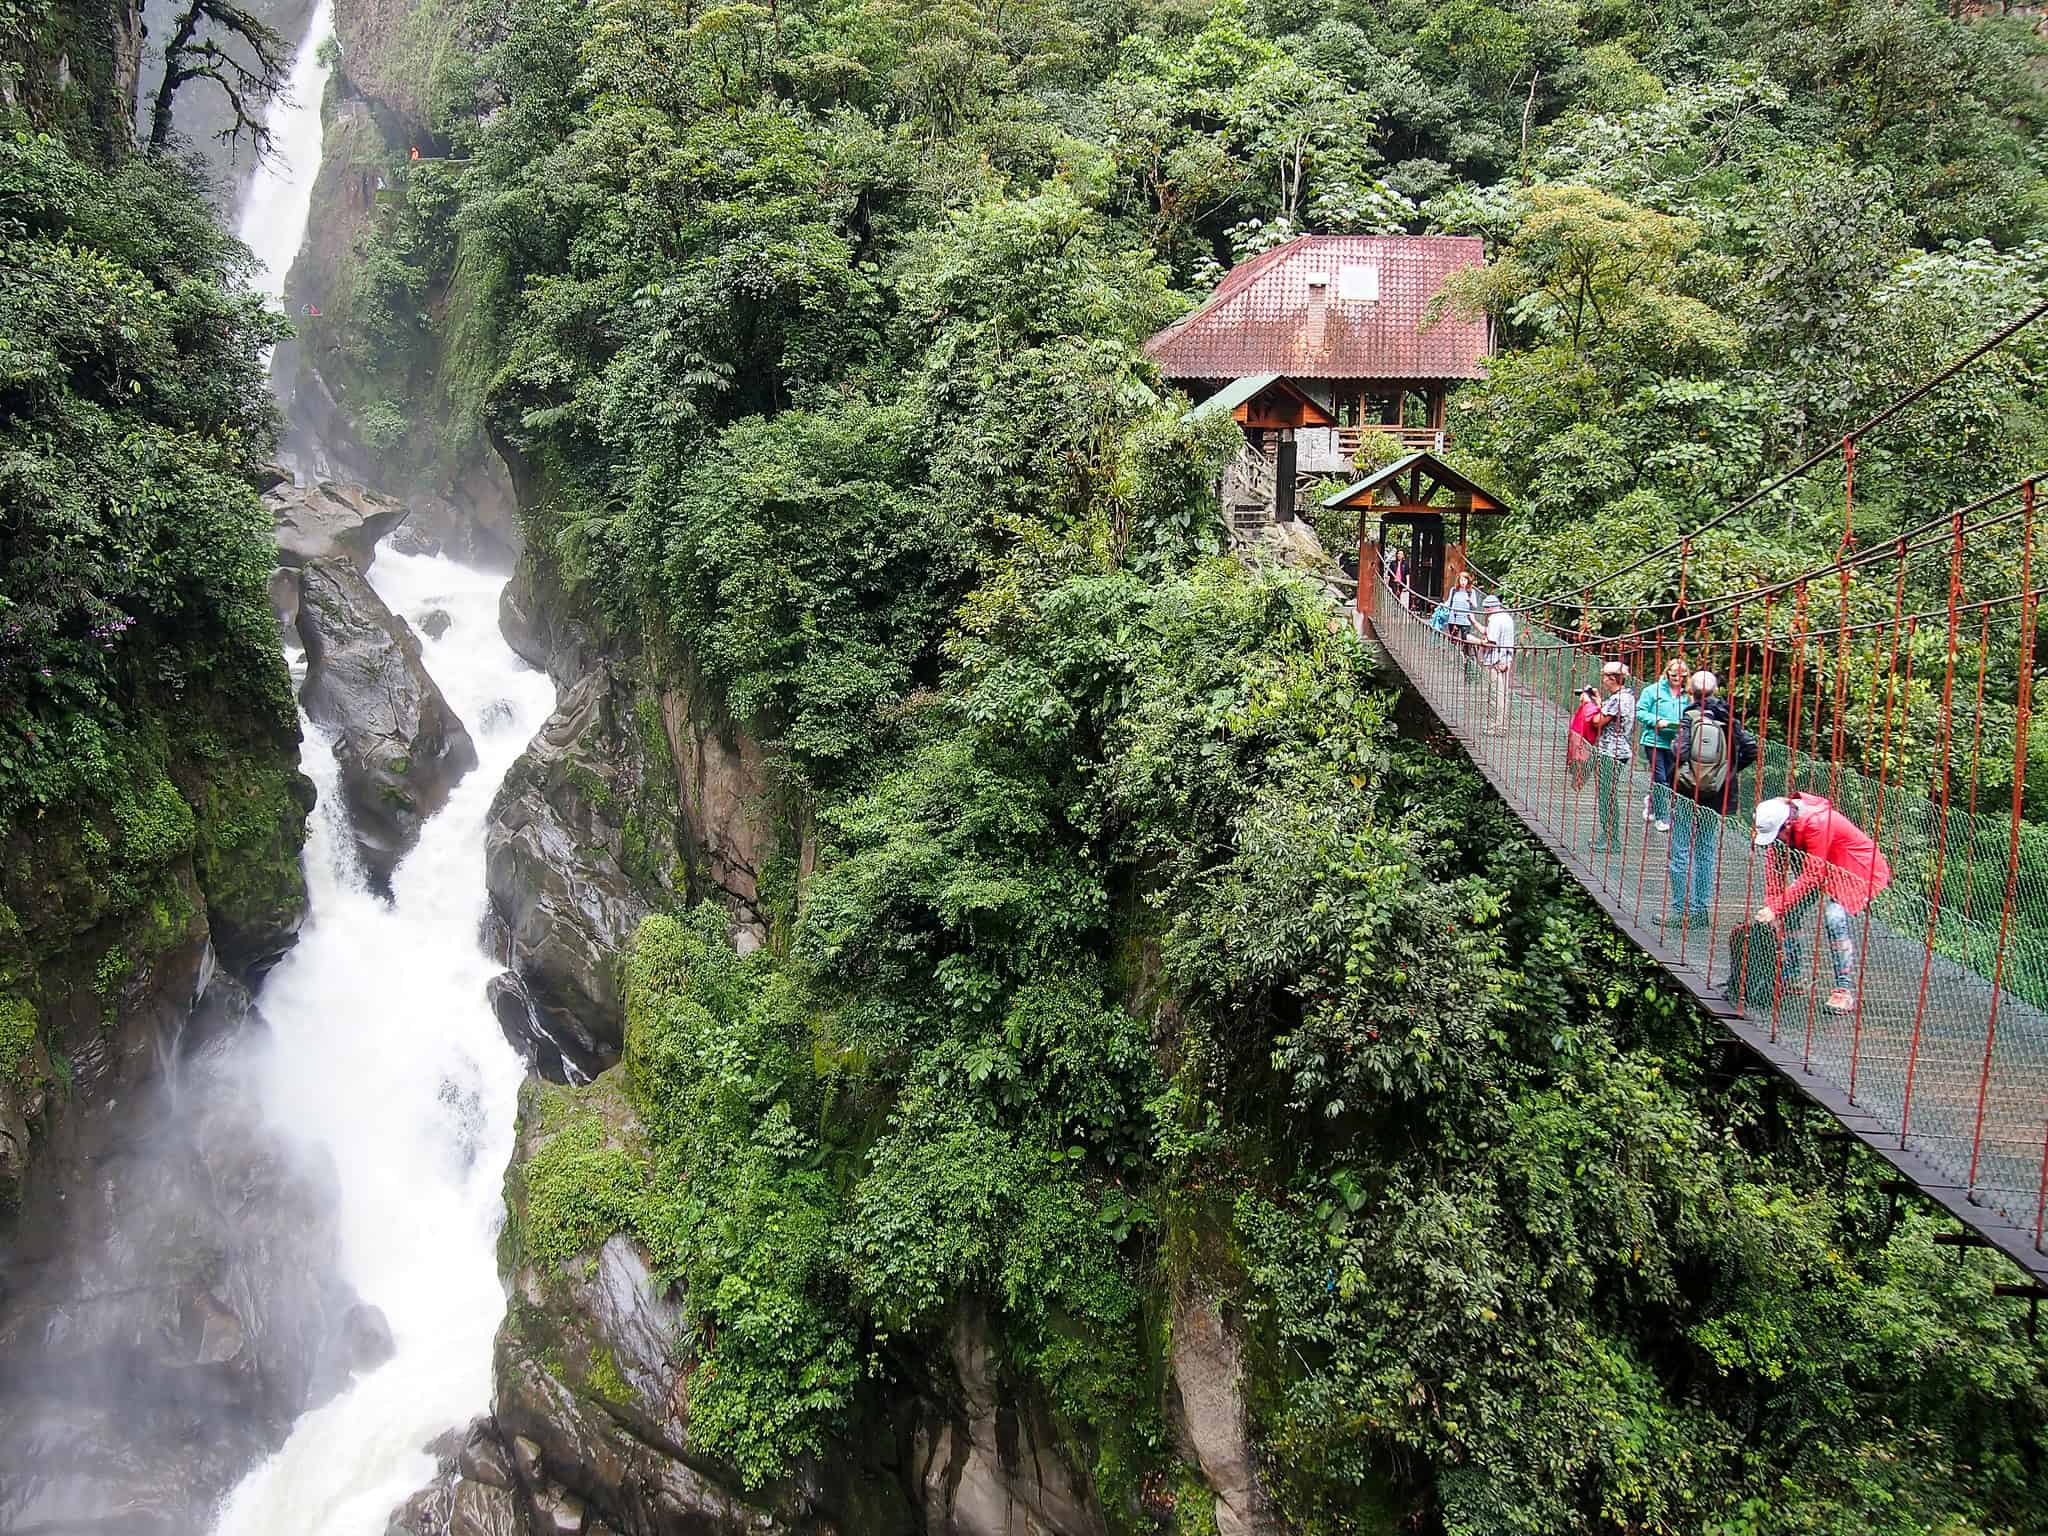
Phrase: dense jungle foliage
(135, 551)
(147, 735)
(1143, 955)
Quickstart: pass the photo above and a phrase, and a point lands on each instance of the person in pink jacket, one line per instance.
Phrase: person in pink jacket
(1840, 871)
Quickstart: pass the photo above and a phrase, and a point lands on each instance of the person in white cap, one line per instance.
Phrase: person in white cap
(1500, 655)
(1839, 869)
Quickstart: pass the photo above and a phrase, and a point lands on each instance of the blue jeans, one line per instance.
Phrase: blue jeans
(1663, 765)
(1841, 942)
(1695, 839)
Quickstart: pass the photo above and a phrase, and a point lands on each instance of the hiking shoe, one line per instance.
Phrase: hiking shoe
(1663, 826)
(1841, 1000)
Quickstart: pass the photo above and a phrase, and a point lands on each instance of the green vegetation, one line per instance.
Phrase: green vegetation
(135, 559)
(1135, 949)
(146, 726)
(1124, 945)
(17, 1038)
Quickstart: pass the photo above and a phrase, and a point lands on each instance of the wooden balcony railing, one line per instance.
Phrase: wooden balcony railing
(1412, 438)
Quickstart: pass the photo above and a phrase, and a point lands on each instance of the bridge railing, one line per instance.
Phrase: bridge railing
(1943, 1042)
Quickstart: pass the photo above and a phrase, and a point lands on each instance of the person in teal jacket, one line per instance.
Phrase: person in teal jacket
(1657, 712)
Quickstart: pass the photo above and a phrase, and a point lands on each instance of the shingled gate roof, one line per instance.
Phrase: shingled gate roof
(1260, 318)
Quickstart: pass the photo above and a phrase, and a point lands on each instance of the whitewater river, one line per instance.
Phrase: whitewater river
(384, 1052)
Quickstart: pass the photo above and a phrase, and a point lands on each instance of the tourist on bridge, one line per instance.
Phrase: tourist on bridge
(1657, 713)
(1465, 612)
(1499, 657)
(1398, 577)
(1711, 749)
(1839, 870)
(1613, 752)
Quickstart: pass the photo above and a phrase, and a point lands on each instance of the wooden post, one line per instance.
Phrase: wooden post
(1283, 478)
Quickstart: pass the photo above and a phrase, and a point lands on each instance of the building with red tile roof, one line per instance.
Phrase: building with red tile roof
(1344, 314)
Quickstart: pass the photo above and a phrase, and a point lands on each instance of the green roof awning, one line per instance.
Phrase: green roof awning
(1231, 396)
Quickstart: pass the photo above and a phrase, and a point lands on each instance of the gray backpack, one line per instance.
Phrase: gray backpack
(1703, 768)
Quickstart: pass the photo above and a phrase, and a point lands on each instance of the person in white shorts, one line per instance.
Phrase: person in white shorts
(1500, 655)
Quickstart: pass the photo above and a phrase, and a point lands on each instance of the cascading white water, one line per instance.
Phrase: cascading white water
(279, 197)
(386, 1055)
(383, 1050)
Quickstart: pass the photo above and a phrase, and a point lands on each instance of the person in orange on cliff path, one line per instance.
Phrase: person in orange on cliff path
(1841, 871)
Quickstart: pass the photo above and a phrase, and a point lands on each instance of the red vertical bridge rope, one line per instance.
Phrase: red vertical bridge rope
(1948, 688)
(2024, 707)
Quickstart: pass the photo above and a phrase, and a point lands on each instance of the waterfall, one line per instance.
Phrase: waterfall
(279, 198)
(383, 1051)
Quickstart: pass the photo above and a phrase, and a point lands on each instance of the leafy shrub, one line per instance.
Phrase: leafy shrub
(135, 409)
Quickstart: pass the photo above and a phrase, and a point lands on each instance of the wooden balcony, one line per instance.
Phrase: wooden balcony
(1334, 450)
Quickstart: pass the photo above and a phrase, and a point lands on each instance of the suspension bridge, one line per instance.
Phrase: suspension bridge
(1936, 1055)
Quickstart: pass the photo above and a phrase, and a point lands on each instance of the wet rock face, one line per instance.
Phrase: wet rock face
(529, 1032)
(996, 1466)
(171, 1303)
(472, 1493)
(1206, 1399)
(535, 619)
(401, 747)
(576, 853)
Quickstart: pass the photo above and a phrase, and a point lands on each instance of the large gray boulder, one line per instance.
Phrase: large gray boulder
(580, 846)
(478, 524)
(330, 520)
(400, 746)
(173, 1304)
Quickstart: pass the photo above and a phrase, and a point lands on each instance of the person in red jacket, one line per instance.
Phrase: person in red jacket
(1840, 871)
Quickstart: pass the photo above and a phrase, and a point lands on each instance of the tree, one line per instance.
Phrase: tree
(250, 84)
(1589, 271)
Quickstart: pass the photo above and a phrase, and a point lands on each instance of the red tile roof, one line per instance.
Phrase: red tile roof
(1259, 319)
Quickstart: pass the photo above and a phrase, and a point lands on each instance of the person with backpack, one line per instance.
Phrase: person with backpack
(1465, 621)
(1657, 713)
(1580, 736)
(1841, 870)
(1709, 750)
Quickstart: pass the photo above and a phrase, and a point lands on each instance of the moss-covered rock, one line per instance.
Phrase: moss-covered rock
(112, 912)
(583, 843)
